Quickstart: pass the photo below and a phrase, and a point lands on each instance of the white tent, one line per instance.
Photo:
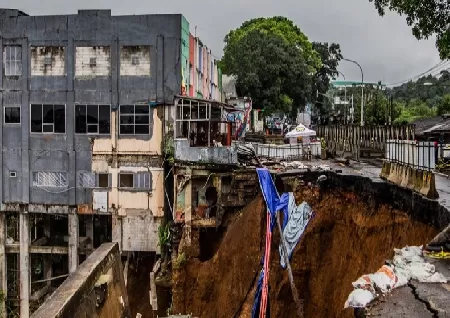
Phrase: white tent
(300, 131)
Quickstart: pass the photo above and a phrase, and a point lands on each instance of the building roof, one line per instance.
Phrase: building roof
(432, 125)
(353, 83)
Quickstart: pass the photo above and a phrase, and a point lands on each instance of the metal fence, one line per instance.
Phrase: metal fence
(287, 151)
(420, 154)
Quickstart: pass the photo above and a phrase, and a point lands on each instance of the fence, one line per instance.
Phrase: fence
(353, 138)
(287, 151)
(420, 155)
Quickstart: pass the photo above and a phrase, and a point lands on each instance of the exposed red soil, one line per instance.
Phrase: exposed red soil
(345, 239)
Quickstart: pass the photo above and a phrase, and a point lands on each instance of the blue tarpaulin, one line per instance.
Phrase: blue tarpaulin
(273, 201)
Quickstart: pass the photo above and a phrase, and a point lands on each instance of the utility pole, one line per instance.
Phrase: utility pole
(362, 88)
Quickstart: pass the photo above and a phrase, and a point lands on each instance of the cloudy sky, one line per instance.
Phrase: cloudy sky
(384, 47)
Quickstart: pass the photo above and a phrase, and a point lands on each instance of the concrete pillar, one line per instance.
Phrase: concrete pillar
(3, 282)
(73, 241)
(48, 269)
(24, 264)
(90, 230)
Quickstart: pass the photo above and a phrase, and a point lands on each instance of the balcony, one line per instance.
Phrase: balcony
(204, 132)
(215, 155)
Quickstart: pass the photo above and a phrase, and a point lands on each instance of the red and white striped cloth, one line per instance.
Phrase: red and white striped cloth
(265, 287)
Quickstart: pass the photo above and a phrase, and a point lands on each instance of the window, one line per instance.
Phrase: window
(125, 180)
(86, 180)
(139, 180)
(92, 119)
(12, 174)
(142, 180)
(93, 180)
(12, 115)
(50, 179)
(134, 119)
(13, 60)
(104, 180)
(48, 119)
(92, 61)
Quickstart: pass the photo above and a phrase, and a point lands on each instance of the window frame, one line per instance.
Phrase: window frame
(42, 118)
(138, 176)
(98, 133)
(16, 61)
(134, 116)
(50, 186)
(119, 183)
(96, 176)
(20, 115)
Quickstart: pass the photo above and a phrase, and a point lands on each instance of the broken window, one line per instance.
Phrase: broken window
(134, 119)
(13, 60)
(12, 115)
(49, 179)
(48, 119)
(126, 180)
(92, 119)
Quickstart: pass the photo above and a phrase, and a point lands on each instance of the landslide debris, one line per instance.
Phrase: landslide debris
(346, 238)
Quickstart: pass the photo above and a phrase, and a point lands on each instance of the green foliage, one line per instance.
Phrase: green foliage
(428, 89)
(180, 262)
(271, 71)
(413, 111)
(426, 17)
(330, 55)
(164, 235)
(279, 27)
(444, 105)
(276, 65)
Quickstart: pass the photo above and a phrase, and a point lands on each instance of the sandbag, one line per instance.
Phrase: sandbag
(359, 298)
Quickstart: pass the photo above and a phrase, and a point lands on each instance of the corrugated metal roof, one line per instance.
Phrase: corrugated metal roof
(427, 125)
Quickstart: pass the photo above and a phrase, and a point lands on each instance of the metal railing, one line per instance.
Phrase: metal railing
(287, 151)
(421, 154)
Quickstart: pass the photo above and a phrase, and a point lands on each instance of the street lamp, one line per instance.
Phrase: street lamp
(345, 98)
(362, 88)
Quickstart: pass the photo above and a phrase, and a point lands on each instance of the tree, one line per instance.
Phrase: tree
(279, 26)
(330, 55)
(427, 18)
(444, 105)
(272, 61)
(412, 111)
(271, 71)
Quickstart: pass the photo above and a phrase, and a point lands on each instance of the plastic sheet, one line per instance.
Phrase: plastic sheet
(299, 217)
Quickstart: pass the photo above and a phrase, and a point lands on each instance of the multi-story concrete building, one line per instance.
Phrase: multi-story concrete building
(83, 120)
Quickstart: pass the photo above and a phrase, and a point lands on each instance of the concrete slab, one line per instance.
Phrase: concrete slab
(436, 296)
(401, 303)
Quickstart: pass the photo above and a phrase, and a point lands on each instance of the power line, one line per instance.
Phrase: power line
(440, 65)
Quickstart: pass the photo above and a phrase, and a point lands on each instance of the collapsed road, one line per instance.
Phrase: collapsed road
(358, 221)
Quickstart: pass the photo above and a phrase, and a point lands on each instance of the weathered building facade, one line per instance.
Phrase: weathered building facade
(83, 120)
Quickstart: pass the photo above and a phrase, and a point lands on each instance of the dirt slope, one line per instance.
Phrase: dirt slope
(345, 239)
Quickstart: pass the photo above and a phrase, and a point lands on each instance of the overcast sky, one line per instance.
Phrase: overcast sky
(384, 47)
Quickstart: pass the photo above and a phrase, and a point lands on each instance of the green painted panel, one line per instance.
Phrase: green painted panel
(184, 51)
